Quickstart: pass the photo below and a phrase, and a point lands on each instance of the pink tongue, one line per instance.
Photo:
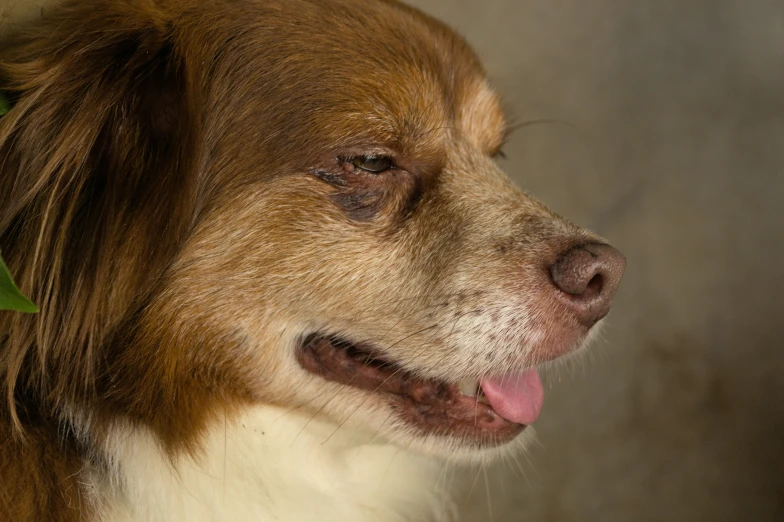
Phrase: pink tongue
(517, 397)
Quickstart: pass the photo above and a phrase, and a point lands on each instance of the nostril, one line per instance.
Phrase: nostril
(587, 277)
(576, 272)
(594, 287)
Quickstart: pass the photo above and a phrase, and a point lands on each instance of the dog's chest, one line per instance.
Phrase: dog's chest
(273, 466)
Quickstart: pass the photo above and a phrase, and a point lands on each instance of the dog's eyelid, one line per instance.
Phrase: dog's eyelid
(373, 163)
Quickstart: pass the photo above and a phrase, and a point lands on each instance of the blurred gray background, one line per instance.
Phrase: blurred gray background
(669, 140)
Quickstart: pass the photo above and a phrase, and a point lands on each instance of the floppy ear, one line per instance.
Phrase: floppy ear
(97, 184)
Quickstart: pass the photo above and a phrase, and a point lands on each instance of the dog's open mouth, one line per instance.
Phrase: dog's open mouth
(490, 412)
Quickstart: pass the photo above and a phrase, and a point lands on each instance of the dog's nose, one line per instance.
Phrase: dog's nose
(587, 277)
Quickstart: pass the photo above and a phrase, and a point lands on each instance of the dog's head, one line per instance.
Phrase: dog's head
(293, 203)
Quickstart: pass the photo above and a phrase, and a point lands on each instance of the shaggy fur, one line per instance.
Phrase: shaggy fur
(179, 195)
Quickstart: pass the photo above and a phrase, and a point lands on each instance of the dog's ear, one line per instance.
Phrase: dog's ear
(97, 183)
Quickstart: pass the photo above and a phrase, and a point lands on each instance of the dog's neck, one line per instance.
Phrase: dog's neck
(271, 464)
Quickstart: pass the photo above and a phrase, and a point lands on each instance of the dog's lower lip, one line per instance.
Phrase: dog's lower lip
(429, 405)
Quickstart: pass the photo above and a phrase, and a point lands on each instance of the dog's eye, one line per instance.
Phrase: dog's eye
(374, 164)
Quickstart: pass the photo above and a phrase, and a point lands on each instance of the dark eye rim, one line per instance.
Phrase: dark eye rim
(372, 163)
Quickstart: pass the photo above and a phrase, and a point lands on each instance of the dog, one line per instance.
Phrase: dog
(281, 275)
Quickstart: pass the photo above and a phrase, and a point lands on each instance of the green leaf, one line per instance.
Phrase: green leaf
(5, 106)
(10, 296)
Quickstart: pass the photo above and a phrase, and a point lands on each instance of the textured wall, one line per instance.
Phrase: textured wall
(674, 150)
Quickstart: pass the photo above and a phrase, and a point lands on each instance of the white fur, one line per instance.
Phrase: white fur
(272, 465)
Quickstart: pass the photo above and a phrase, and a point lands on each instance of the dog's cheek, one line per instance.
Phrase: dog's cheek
(361, 206)
(302, 256)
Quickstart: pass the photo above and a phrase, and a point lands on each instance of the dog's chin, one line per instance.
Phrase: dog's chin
(458, 450)
(428, 415)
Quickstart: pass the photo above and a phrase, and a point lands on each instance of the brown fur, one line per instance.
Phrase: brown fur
(172, 196)
(40, 475)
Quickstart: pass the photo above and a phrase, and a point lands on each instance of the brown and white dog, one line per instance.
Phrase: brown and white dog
(280, 274)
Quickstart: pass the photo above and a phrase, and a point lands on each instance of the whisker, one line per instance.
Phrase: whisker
(487, 490)
(523, 474)
(340, 390)
(378, 430)
(473, 484)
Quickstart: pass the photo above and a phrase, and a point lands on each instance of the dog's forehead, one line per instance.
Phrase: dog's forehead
(372, 71)
(429, 82)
